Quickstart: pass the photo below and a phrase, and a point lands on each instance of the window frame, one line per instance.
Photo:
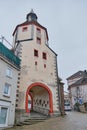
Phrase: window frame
(7, 89)
(35, 63)
(44, 65)
(44, 55)
(9, 72)
(39, 30)
(38, 40)
(36, 53)
(6, 116)
(24, 29)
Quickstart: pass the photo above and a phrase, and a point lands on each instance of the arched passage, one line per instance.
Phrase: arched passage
(46, 89)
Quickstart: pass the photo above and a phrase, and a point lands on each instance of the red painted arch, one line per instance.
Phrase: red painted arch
(46, 88)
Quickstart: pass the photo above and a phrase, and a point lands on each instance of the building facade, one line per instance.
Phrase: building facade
(77, 86)
(38, 75)
(9, 68)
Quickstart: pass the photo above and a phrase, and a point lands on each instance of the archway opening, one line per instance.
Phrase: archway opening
(41, 99)
(30, 102)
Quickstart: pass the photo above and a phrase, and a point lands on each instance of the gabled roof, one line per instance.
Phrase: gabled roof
(76, 75)
(30, 23)
(82, 81)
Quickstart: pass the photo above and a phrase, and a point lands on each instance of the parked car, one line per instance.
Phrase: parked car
(67, 107)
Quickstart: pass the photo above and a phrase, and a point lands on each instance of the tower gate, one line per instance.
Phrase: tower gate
(41, 100)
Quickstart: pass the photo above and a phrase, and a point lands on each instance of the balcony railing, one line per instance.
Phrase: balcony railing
(7, 54)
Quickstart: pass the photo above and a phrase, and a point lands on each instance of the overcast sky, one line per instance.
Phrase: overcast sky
(66, 22)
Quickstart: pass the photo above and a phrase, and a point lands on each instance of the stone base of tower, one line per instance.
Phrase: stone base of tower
(21, 115)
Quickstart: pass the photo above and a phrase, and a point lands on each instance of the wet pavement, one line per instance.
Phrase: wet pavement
(72, 121)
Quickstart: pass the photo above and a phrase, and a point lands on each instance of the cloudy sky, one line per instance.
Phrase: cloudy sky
(66, 22)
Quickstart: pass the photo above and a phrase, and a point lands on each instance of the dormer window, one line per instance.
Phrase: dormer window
(24, 29)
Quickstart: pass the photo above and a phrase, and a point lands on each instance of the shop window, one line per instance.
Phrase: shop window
(36, 53)
(44, 55)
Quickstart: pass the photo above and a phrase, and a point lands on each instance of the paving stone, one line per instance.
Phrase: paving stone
(72, 121)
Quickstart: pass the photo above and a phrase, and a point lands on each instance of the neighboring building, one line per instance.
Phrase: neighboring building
(38, 76)
(61, 97)
(9, 67)
(77, 86)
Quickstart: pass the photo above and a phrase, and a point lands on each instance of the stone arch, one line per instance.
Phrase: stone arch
(46, 88)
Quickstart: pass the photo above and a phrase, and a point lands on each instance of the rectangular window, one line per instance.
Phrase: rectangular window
(3, 115)
(44, 65)
(9, 72)
(35, 62)
(38, 40)
(24, 29)
(36, 53)
(38, 33)
(7, 89)
(44, 55)
(16, 105)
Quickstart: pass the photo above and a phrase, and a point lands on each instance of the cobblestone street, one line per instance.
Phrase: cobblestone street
(72, 121)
